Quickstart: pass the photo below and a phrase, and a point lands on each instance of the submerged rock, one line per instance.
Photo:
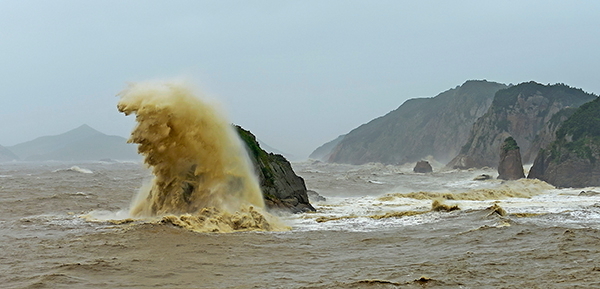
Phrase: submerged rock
(315, 197)
(588, 193)
(482, 177)
(510, 167)
(423, 167)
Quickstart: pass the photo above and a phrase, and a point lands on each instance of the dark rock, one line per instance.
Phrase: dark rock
(482, 177)
(281, 187)
(315, 197)
(422, 167)
(510, 167)
(589, 193)
(572, 171)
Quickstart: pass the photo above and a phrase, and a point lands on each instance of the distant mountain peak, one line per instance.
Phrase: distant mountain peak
(81, 143)
(85, 128)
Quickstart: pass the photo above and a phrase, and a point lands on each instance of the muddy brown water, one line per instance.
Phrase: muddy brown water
(46, 244)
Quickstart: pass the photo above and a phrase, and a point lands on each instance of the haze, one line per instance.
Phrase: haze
(295, 73)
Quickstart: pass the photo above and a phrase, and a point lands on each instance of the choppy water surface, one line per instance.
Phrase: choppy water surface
(375, 230)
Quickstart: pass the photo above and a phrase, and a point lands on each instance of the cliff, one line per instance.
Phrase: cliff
(419, 128)
(573, 159)
(521, 111)
(548, 133)
(281, 187)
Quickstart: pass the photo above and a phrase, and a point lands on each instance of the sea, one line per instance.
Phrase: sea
(68, 225)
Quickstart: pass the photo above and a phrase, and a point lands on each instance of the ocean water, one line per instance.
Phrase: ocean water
(67, 225)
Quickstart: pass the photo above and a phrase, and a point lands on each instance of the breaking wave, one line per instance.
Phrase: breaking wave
(203, 179)
(75, 169)
(522, 188)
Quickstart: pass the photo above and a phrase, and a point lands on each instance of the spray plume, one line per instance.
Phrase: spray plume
(201, 169)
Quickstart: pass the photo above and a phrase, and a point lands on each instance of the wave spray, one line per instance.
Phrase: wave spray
(203, 178)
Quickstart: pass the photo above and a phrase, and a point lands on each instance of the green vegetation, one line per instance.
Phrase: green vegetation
(510, 144)
(257, 154)
(580, 133)
(508, 97)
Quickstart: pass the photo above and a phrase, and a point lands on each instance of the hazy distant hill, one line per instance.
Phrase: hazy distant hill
(419, 128)
(522, 111)
(324, 152)
(271, 149)
(82, 143)
(6, 155)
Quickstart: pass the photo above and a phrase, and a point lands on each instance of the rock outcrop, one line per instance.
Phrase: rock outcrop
(422, 167)
(281, 187)
(573, 159)
(521, 111)
(510, 167)
(419, 128)
(6, 155)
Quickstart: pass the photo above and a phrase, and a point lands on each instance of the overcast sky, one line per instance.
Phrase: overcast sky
(295, 73)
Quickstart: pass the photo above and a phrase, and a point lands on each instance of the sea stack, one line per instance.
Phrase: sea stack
(423, 167)
(510, 167)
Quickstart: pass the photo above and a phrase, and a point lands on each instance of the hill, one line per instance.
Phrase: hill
(6, 155)
(81, 144)
(521, 111)
(323, 152)
(573, 159)
(419, 128)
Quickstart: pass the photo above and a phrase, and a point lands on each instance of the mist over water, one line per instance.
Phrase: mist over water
(199, 164)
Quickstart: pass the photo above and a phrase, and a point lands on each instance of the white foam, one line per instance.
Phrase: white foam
(74, 169)
(103, 215)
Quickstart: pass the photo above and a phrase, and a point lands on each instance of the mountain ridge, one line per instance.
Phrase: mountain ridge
(521, 111)
(420, 127)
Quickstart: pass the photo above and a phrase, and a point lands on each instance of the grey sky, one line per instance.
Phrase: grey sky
(296, 73)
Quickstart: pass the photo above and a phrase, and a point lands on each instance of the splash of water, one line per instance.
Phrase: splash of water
(522, 188)
(198, 160)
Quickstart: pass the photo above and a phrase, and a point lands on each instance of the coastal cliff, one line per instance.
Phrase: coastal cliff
(419, 128)
(573, 159)
(521, 111)
(281, 187)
